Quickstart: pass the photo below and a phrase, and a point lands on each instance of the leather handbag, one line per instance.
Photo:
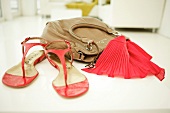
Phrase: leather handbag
(88, 36)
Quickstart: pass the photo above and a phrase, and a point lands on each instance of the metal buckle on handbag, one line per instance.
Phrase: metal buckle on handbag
(116, 33)
(89, 45)
(90, 65)
(81, 56)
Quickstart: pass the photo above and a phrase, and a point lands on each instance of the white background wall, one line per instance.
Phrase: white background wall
(165, 25)
(28, 7)
(6, 11)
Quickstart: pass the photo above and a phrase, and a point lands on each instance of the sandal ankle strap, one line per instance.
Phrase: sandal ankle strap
(26, 46)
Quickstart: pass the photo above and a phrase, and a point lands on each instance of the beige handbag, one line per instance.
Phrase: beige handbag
(88, 36)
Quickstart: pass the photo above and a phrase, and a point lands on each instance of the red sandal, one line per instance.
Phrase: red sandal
(69, 82)
(24, 73)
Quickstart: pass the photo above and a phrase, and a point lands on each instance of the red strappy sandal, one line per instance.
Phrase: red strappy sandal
(69, 82)
(24, 73)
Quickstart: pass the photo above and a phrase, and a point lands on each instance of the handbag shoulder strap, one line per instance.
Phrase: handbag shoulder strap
(89, 42)
(83, 25)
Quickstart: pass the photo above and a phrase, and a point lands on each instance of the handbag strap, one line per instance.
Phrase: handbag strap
(81, 25)
(89, 42)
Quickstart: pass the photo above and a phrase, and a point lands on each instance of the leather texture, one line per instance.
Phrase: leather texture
(88, 36)
(22, 74)
(69, 82)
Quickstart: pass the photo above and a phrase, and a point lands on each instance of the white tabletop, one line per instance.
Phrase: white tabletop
(105, 95)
